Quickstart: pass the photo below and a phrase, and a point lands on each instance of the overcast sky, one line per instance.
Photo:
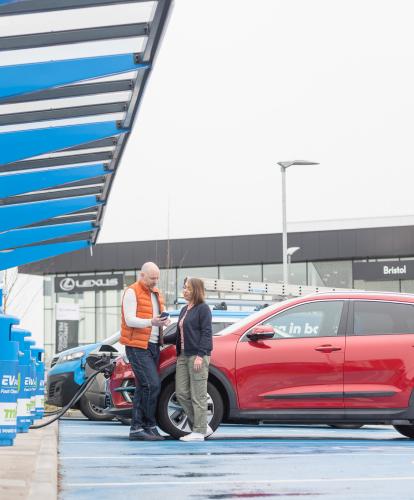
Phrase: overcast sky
(240, 85)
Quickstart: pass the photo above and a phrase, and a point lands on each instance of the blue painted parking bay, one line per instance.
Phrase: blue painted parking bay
(97, 460)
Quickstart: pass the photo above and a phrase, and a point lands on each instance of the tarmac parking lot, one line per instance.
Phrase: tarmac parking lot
(238, 461)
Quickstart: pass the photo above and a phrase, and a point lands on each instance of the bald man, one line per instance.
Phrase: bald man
(141, 333)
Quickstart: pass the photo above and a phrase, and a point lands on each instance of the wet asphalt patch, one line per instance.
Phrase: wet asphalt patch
(96, 459)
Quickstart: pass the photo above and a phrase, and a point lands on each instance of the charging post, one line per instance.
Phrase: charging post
(37, 354)
(9, 354)
(26, 378)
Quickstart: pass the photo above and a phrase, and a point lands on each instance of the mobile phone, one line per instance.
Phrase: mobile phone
(164, 315)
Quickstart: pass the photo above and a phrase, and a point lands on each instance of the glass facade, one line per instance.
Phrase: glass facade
(243, 273)
(100, 311)
(378, 286)
(331, 274)
(297, 272)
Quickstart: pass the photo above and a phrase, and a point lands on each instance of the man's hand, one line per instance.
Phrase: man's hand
(157, 321)
(198, 363)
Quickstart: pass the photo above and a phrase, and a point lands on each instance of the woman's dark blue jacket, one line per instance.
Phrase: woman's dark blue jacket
(198, 334)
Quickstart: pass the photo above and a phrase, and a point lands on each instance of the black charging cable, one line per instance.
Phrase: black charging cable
(106, 368)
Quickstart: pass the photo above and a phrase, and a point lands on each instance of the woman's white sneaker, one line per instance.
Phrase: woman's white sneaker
(193, 436)
(209, 432)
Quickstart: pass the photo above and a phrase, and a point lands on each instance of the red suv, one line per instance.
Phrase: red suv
(337, 358)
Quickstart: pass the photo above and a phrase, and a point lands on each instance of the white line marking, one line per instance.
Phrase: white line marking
(275, 441)
(215, 456)
(82, 442)
(112, 434)
(66, 426)
(260, 481)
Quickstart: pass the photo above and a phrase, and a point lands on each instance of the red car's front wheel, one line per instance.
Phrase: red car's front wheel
(171, 417)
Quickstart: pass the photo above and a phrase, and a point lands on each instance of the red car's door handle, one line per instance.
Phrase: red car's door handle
(327, 348)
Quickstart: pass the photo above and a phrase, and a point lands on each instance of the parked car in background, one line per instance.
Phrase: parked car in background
(67, 374)
(335, 359)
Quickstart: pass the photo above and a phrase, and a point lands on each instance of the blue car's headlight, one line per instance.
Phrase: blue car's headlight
(71, 357)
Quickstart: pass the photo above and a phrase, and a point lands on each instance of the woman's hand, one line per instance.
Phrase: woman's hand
(198, 362)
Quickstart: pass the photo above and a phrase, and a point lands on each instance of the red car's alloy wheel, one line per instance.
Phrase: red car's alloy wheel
(171, 417)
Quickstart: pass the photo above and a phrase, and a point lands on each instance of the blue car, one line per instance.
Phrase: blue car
(67, 372)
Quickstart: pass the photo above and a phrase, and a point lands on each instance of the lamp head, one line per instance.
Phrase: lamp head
(291, 251)
(286, 164)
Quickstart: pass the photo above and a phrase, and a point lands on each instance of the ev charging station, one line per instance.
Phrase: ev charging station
(27, 381)
(38, 360)
(9, 377)
(60, 147)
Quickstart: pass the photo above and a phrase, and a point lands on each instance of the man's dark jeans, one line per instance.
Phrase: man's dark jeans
(144, 364)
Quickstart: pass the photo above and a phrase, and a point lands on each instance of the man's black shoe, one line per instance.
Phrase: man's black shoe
(153, 431)
(143, 436)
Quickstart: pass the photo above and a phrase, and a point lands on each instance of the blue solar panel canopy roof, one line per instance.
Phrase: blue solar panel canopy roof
(72, 75)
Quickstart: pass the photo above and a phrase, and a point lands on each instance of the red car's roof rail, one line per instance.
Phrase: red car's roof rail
(278, 290)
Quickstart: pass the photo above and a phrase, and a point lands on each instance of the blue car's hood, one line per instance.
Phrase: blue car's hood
(86, 348)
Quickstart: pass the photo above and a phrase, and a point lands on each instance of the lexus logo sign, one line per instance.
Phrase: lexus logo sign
(78, 284)
(67, 284)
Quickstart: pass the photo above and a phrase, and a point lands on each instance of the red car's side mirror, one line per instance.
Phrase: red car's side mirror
(261, 332)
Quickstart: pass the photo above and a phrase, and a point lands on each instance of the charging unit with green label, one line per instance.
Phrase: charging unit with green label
(27, 378)
(37, 354)
(9, 353)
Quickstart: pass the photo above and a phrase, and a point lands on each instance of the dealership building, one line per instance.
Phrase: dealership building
(83, 291)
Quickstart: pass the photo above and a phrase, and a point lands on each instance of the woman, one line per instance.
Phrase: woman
(194, 344)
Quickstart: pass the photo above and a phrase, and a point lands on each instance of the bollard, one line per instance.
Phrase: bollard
(25, 399)
(9, 353)
(37, 354)
(31, 381)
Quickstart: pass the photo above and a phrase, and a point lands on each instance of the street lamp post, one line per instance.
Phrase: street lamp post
(290, 252)
(283, 166)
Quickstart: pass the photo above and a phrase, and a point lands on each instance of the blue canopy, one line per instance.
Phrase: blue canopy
(68, 101)
(49, 74)
(34, 180)
(26, 236)
(24, 255)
